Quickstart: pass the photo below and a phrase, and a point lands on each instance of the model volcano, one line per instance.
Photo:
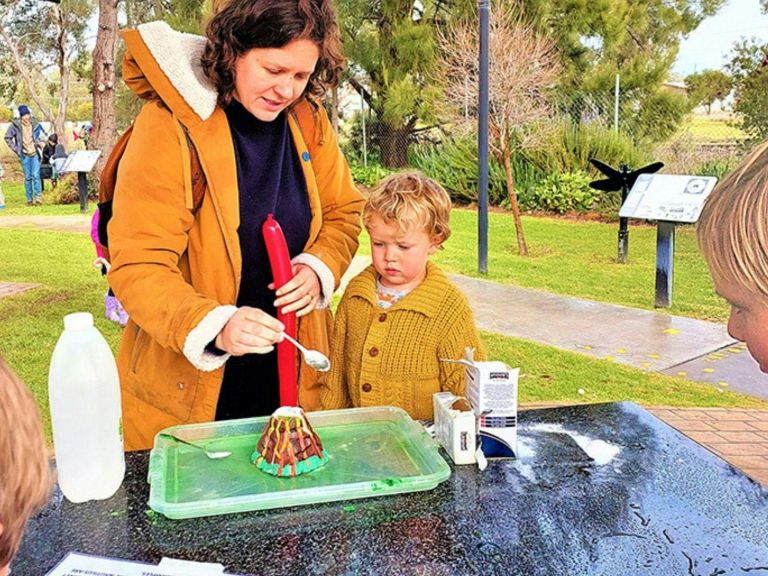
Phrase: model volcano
(288, 445)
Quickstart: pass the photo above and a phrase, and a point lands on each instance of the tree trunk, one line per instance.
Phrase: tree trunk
(61, 57)
(393, 141)
(104, 123)
(521, 245)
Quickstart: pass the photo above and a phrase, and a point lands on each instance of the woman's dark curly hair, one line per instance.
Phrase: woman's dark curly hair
(240, 25)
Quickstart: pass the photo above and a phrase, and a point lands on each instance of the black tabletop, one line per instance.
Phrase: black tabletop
(603, 489)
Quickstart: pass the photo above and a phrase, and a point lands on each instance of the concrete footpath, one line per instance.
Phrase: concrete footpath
(647, 340)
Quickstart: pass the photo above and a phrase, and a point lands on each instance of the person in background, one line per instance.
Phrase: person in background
(54, 155)
(47, 148)
(196, 280)
(22, 137)
(733, 236)
(401, 316)
(25, 477)
(84, 133)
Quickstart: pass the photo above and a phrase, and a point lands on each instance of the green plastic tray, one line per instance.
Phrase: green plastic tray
(373, 452)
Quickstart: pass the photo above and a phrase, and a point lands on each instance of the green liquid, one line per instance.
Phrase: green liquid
(375, 451)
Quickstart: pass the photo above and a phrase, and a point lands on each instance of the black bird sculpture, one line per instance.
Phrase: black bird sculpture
(622, 179)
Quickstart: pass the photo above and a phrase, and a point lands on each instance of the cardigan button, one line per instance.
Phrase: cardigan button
(373, 351)
(367, 387)
(180, 385)
(382, 317)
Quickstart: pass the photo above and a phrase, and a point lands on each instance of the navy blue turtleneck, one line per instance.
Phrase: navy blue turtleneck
(270, 181)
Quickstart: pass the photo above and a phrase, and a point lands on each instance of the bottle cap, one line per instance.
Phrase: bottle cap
(78, 321)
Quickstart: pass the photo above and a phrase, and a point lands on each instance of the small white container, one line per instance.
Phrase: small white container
(492, 391)
(84, 396)
(454, 429)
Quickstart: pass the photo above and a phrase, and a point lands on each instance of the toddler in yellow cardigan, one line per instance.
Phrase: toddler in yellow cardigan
(400, 315)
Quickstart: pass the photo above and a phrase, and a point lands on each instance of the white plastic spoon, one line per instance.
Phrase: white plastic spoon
(314, 358)
(213, 455)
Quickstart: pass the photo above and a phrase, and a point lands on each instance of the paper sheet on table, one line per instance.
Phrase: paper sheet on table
(75, 564)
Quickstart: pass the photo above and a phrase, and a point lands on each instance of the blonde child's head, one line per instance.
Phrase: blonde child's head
(411, 201)
(733, 235)
(733, 228)
(407, 217)
(25, 478)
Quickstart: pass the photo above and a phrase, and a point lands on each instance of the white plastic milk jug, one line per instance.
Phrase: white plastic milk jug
(84, 394)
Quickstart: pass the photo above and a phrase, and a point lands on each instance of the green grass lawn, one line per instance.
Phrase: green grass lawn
(713, 128)
(16, 200)
(567, 257)
(30, 323)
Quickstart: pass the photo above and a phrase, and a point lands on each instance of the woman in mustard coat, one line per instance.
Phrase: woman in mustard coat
(200, 341)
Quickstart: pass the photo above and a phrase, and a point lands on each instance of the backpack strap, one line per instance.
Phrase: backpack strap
(107, 182)
(108, 176)
(194, 177)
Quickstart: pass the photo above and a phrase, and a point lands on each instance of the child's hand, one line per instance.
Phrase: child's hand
(300, 294)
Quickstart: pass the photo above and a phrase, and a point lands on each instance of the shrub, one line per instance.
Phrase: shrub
(67, 191)
(656, 117)
(563, 192)
(454, 164)
(718, 167)
(568, 146)
(369, 175)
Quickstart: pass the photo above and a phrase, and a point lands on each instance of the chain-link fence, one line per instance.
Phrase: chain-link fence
(666, 127)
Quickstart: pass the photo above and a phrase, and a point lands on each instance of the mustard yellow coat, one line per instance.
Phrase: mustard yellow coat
(178, 273)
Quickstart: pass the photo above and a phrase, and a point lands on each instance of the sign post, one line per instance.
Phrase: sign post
(82, 162)
(668, 199)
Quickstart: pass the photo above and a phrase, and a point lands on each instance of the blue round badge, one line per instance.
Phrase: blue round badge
(305, 156)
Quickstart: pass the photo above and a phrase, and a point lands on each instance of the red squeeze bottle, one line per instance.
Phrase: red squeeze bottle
(282, 272)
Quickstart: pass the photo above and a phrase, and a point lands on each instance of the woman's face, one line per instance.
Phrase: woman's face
(268, 80)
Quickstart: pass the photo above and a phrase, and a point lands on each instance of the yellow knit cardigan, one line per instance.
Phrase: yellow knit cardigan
(389, 357)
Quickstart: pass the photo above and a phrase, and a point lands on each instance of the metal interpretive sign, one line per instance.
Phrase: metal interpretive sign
(82, 162)
(667, 197)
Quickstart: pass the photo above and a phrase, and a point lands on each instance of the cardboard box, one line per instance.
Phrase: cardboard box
(454, 427)
(492, 391)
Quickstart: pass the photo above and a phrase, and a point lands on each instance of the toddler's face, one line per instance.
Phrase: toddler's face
(748, 321)
(399, 258)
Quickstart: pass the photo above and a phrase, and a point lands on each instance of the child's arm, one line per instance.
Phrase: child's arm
(461, 334)
(335, 394)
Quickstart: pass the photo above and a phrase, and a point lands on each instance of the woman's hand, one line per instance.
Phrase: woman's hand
(250, 330)
(300, 294)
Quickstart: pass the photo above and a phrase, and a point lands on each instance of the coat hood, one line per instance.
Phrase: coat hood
(160, 62)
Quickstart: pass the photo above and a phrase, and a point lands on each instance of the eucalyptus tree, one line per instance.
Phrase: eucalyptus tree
(40, 41)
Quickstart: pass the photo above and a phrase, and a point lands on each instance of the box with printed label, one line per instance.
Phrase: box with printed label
(455, 426)
(492, 391)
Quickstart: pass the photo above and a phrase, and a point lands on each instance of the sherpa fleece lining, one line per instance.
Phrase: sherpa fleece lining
(178, 56)
(208, 328)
